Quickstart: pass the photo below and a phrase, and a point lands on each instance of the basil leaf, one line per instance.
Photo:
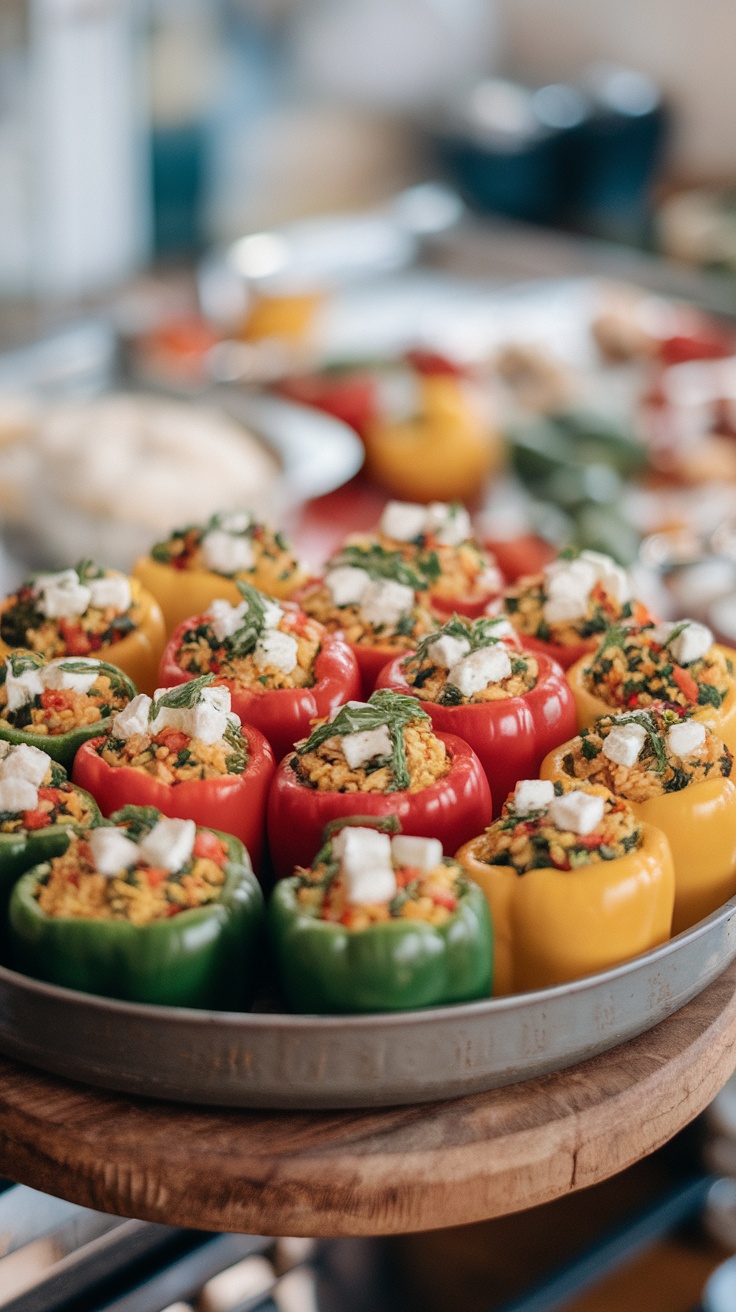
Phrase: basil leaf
(379, 563)
(243, 641)
(187, 694)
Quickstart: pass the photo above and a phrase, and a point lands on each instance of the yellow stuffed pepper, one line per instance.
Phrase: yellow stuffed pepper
(675, 773)
(637, 664)
(443, 451)
(87, 611)
(574, 881)
(197, 564)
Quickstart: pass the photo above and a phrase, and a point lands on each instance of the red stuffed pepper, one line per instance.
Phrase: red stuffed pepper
(376, 759)
(186, 753)
(474, 680)
(564, 611)
(283, 669)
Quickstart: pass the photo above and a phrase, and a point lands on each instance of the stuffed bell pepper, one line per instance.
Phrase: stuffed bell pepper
(675, 773)
(376, 601)
(150, 909)
(87, 611)
(575, 883)
(565, 610)
(59, 704)
(637, 664)
(380, 921)
(474, 680)
(282, 668)
(39, 810)
(185, 752)
(204, 561)
(378, 758)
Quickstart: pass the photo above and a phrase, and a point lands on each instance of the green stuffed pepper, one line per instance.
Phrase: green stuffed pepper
(59, 704)
(380, 923)
(39, 810)
(147, 908)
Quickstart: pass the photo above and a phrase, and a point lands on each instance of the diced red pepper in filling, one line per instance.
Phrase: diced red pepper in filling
(75, 639)
(56, 699)
(443, 898)
(36, 819)
(208, 846)
(685, 683)
(155, 876)
(173, 739)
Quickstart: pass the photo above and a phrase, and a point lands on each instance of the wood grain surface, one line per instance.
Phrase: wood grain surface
(369, 1173)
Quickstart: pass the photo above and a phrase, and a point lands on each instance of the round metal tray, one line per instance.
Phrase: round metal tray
(303, 1062)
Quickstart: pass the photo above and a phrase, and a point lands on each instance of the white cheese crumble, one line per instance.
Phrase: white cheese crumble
(132, 720)
(55, 676)
(347, 585)
(612, 577)
(686, 738)
(208, 720)
(169, 844)
(22, 688)
(224, 619)
(476, 671)
(577, 811)
(569, 583)
(234, 521)
(448, 651)
(25, 762)
(624, 743)
(692, 644)
(385, 602)
(422, 853)
(533, 795)
(112, 592)
(225, 553)
(112, 851)
(277, 649)
(403, 520)
(449, 524)
(61, 595)
(359, 748)
(365, 865)
(17, 795)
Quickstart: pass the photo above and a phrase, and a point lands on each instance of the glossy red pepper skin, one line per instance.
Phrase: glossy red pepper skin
(460, 804)
(446, 607)
(235, 804)
(510, 737)
(371, 660)
(283, 715)
(563, 655)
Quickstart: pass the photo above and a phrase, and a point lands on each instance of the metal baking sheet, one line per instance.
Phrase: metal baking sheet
(306, 1062)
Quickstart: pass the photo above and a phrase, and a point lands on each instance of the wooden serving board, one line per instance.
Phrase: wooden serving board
(375, 1172)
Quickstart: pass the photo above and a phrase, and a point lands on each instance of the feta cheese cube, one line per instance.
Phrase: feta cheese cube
(660, 632)
(449, 524)
(112, 851)
(272, 613)
(422, 853)
(533, 795)
(365, 864)
(347, 585)
(567, 585)
(204, 722)
(23, 687)
(112, 591)
(686, 738)
(692, 643)
(359, 748)
(234, 521)
(17, 795)
(448, 651)
(624, 743)
(216, 695)
(403, 520)
(476, 671)
(133, 719)
(224, 619)
(225, 553)
(25, 762)
(5, 747)
(277, 649)
(577, 811)
(611, 576)
(169, 844)
(386, 602)
(61, 595)
(504, 629)
(490, 579)
(56, 675)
